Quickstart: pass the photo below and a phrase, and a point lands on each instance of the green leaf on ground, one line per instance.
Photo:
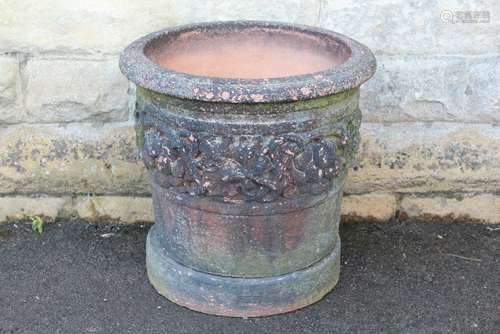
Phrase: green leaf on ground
(37, 224)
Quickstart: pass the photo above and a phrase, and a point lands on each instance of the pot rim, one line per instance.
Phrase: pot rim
(144, 72)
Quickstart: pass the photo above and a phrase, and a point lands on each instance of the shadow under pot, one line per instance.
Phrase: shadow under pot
(248, 130)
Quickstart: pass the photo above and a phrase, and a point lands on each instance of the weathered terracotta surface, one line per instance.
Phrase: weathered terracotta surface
(247, 172)
(239, 297)
(248, 54)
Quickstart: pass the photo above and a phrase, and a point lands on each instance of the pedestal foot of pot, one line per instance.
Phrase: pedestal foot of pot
(234, 296)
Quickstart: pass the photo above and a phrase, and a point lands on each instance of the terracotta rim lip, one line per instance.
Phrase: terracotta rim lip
(353, 72)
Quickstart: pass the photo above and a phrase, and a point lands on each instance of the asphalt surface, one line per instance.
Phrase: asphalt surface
(410, 277)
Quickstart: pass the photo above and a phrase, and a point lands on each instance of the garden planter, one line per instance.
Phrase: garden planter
(248, 130)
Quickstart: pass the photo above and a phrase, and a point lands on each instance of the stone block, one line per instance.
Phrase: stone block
(68, 90)
(482, 207)
(380, 207)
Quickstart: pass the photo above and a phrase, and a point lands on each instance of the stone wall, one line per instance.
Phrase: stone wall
(431, 131)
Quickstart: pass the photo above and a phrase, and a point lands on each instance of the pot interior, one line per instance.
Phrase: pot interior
(247, 52)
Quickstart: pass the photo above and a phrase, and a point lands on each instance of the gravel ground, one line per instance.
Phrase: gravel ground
(410, 277)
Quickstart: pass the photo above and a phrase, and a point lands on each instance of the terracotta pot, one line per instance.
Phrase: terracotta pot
(248, 130)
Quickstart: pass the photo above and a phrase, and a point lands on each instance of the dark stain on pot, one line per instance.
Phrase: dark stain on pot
(242, 168)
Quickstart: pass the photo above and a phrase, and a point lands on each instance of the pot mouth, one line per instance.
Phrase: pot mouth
(242, 52)
(247, 62)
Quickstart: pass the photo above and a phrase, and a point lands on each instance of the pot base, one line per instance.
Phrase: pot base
(236, 296)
